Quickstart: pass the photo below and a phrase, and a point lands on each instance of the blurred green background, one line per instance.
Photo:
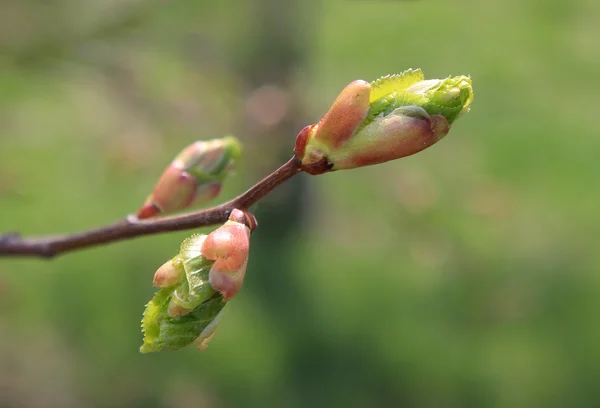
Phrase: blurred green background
(465, 276)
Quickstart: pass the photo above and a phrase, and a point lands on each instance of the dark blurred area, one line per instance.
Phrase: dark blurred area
(465, 276)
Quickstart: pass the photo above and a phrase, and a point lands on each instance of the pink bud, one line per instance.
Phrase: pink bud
(398, 135)
(169, 274)
(176, 189)
(344, 117)
(175, 310)
(195, 175)
(339, 124)
(229, 246)
(392, 117)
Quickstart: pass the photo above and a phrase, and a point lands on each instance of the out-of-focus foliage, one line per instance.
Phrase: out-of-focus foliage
(465, 276)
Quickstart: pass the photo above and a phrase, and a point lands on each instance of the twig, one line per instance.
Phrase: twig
(12, 244)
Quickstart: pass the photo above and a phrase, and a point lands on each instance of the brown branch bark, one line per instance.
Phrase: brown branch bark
(13, 244)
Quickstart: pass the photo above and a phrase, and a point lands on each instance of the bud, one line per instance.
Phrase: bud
(229, 246)
(195, 176)
(195, 286)
(392, 117)
(169, 274)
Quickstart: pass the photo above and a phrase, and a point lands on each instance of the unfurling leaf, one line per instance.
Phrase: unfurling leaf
(392, 117)
(195, 286)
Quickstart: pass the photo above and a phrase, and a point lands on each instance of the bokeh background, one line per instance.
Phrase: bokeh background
(465, 276)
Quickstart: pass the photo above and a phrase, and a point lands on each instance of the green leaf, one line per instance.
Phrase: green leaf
(193, 294)
(165, 332)
(389, 84)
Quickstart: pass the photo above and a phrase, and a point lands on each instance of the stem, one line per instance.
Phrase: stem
(13, 244)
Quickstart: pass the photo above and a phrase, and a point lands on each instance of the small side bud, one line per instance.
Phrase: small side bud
(175, 309)
(195, 176)
(169, 274)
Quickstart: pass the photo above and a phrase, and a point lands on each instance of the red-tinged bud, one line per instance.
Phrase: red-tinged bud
(346, 114)
(195, 176)
(392, 117)
(195, 286)
(169, 274)
(175, 310)
(245, 218)
(399, 134)
(229, 247)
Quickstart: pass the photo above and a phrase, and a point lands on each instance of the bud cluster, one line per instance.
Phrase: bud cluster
(196, 284)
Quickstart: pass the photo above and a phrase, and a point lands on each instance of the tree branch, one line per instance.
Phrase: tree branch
(12, 244)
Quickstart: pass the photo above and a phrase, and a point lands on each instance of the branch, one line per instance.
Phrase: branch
(13, 244)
